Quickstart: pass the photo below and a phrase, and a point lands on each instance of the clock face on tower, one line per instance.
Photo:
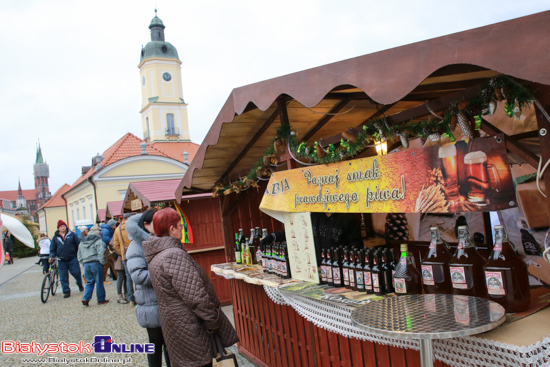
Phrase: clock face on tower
(167, 77)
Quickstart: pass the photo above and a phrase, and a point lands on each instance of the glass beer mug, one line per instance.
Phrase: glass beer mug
(477, 175)
(448, 164)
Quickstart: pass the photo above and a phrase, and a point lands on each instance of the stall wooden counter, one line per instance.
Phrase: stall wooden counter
(277, 330)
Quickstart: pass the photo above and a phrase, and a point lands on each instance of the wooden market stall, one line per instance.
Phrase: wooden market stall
(411, 93)
(206, 244)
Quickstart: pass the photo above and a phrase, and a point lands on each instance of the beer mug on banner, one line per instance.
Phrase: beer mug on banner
(448, 164)
(477, 176)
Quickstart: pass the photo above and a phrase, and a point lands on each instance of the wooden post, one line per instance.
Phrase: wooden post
(543, 96)
(283, 116)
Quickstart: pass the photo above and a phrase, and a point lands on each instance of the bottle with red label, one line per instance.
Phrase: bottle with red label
(351, 269)
(466, 267)
(345, 269)
(389, 270)
(337, 274)
(407, 278)
(436, 277)
(367, 272)
(359, 265)
(328, 266)
(378, 276)
(506, 275)
(323, 270)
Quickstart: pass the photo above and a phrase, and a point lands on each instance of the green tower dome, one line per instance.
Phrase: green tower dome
(158, 47)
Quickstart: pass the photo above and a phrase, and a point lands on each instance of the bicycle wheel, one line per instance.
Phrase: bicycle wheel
(55, 282)
(46, 284)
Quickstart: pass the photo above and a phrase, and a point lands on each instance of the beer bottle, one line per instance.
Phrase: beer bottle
(243, 240)
(269, 258)
(378, 279)
(345, 268)
(466, 267)
(337, 273)
(284, 264)
(407, 279)
(387, 268)
(359, 264)
(351, 269)
(390, 264)
(506, 275)
(287, 261)
(367, 273)
(238, 250)
(275, 259)
(323, 266)
(253, 245)
(328, 266)
(264, 253)
(436, 277)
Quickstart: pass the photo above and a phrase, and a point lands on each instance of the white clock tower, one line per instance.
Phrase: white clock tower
(163, 110)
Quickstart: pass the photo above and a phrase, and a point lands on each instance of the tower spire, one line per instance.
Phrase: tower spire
(19, 190)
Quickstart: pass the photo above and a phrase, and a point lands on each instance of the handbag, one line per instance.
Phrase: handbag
(119, 266)
(222, 357)
(110, 253)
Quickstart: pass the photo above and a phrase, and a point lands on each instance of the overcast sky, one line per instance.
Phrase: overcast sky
(69, 76)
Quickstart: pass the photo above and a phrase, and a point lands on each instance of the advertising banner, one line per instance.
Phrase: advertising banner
(465, 176)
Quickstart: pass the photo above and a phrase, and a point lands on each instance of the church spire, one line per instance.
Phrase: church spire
(19, 190)
(39, 158)
(157, 28)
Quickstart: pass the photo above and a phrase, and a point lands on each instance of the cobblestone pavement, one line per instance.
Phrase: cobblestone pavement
(24, 318)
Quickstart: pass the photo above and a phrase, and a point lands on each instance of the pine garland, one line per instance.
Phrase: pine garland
(497, 89)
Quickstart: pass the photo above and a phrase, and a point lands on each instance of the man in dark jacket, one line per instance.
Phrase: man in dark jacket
(107, 230)
(65, 246)
(8, 246)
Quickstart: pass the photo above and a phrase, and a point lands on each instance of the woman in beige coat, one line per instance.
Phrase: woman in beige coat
(189, 309)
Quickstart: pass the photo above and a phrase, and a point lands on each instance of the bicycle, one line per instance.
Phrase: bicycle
(50, 282)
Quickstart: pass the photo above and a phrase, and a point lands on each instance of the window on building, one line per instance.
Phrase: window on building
(77, 213)
(170, 129)
(83, 210)
(72, 213)
(91, 211)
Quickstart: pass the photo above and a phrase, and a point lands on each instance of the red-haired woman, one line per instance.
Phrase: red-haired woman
(188, 306)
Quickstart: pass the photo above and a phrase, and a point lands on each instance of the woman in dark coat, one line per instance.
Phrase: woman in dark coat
(189, 309)
(140, 229)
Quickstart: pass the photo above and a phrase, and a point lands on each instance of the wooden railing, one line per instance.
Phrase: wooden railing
(275, 335)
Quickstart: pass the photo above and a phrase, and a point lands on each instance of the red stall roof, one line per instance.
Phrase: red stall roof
(325, 101)
(152, 192)
(114, 209)
(101, 215)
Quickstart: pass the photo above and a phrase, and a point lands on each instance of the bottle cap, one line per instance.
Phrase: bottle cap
(499, 226)
(434, 228)
(404, 247)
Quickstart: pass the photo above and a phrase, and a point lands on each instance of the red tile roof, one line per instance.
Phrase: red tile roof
(11, 195)
(176, 149)
(125, 147)
(56, 199)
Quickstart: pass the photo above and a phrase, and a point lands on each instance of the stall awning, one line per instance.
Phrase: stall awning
(324, 101)
(114, 209)
(101, 215)
(153, 192)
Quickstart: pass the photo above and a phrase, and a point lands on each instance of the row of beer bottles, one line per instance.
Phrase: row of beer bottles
(247, 249)
(275, 260)
(502, 278)
(365, 270)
